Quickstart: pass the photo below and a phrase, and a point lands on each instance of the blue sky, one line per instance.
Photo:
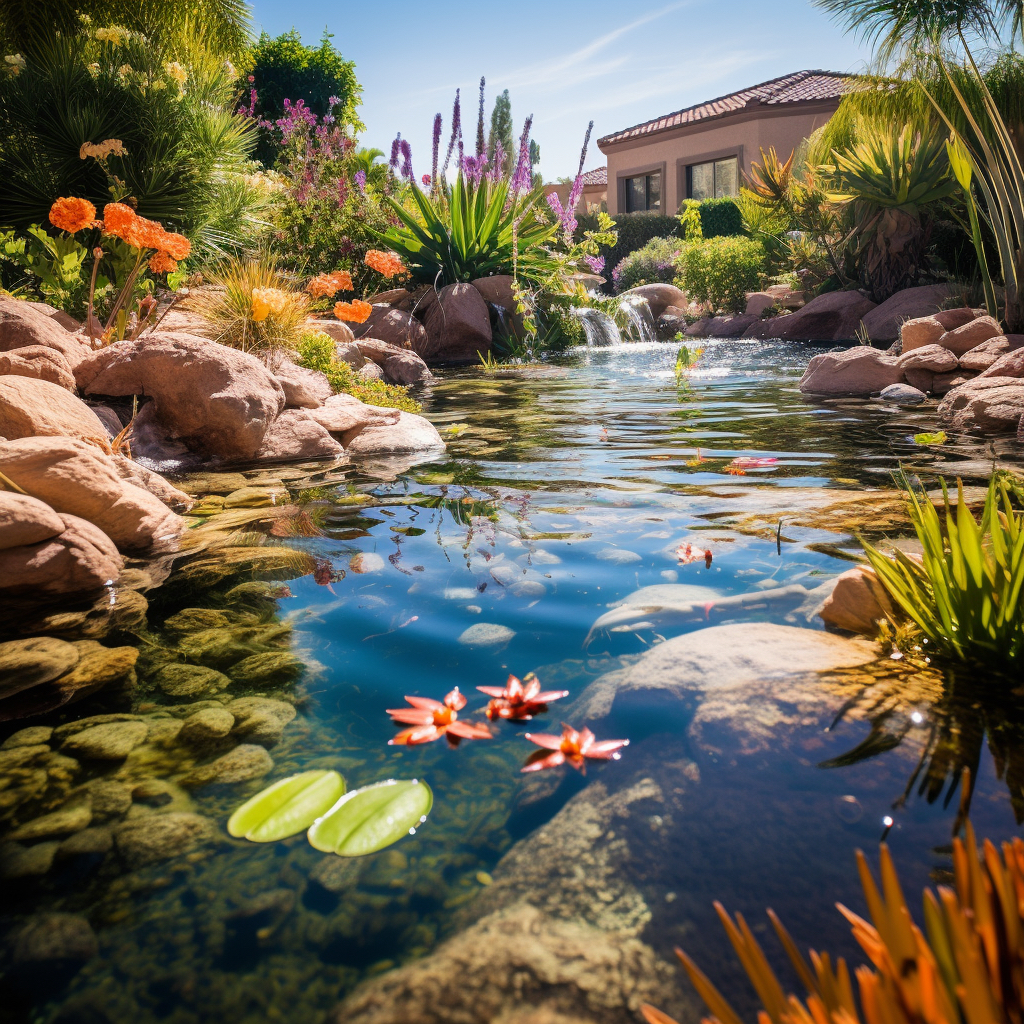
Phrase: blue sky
(612, 61)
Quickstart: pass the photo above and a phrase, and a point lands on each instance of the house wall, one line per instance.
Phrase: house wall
(592, 196)
(743, 135)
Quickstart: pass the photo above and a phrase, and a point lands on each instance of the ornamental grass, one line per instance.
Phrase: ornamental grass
(252, 306)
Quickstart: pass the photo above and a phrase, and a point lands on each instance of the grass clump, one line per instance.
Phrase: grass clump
(965, 593)
(252, 306)
(316, 352)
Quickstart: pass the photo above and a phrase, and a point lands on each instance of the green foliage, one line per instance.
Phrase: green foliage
(689, 217)
(654, 263)
(372, 818)
(633, 231)
(965, 594)
(502, 131)
(284, 68)
(287, 807)
(468, 232)
(718, 272)
(182, 142)
(720, 216)
(316, 352)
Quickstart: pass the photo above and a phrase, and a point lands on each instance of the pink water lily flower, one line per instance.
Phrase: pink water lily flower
(432, 719)
(519, 701)
(750, 462)
(572, 746)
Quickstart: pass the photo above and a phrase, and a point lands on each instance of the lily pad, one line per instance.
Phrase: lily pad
(287, 807)
(939, 437)
(369, 819)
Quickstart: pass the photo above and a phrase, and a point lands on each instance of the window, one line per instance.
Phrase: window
(714, 179)
(643, 193)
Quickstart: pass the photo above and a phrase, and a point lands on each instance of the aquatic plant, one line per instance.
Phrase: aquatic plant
(965, 592)
(429, 720)
(967, 964)
(688, 554)
(519, 700)
(369, 819)
(574, 746)
(287, 807)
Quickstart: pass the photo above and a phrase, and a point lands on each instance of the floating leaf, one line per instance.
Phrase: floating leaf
(366, 820)
(939, 437)
(287, 807)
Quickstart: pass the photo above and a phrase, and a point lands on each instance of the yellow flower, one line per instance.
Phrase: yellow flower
(267, 301)
(109, 35)
(176, 73)
(15, 62)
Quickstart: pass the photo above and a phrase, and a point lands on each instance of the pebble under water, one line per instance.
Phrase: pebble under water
(566, 488)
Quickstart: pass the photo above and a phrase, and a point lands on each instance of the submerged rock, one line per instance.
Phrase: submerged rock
(49, 939)
(72, 817)
(158, 837)
(17, 861)
(245, 762)
(261, 719)
(111, 741)
(190, 680)
(26, 663)
(206, 725)
(486, 634)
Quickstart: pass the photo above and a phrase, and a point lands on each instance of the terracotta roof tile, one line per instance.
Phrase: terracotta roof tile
(598, 176)
(798, 87)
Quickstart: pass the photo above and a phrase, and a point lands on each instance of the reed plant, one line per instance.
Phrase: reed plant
(965, 592)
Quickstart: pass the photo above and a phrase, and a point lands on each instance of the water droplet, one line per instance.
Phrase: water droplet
(848, 809)
(917, 718)
(887, 821)
(412, 831)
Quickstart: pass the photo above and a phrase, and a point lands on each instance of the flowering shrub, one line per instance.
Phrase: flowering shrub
(718, 272)
(324, 286)
(654, 263)
(355, 312)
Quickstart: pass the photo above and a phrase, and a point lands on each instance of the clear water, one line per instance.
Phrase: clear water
(571, 488)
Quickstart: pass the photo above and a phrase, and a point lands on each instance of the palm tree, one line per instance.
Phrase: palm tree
(26, 26)
(366, 160)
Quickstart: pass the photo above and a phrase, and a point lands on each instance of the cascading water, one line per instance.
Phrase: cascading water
(641, 320)
(601, 330)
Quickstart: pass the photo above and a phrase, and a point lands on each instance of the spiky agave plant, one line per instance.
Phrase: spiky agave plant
(890, 182)
(965, 593)
(965, 967)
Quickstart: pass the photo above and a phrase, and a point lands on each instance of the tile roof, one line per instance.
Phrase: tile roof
(798, 87)
(598, 176)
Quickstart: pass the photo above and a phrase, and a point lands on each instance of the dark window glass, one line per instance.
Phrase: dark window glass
(643, 193)
(715, 179)
(653, 191)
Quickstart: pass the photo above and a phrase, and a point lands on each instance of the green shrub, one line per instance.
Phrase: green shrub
(635, 230)
(719, 272)
(654, 263)
(284, 68)
(316, 352)
(719, 217)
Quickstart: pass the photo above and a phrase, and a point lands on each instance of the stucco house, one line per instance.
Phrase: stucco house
(704, 150)
(595, 190)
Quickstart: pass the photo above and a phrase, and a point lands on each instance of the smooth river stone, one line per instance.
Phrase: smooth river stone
(486, 634)
(27, 663)
(618, 556)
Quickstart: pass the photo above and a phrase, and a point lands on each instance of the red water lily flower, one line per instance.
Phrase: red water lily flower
(574, 747)
(519, 701)
(749, 462)
(431, 719)
(688, 554)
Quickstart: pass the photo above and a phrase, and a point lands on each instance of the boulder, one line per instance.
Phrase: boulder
(260, 719)
(206, 725)
(26, 520)
(943, 383)
(303, 388)
(190, 680)
(30, 407)
(920, 333)
(107, 417)
(982, 356)
(758, 302)
(659, 297)
(406, 368)
(391, 297)
(134, 473)
(857, 602)
(458, 326)
(23, 325)
(497, 291)
(80, 560)
(55, 940)
(77, 478)
(883, 322)
(40, 362)
(989, 404)
(902, 394)
(411, 433)
(28, 663)
(729, 326)
(348, 352)
(961, 340)
(395, 326)
(247, 761)
(295, 434)
(157, 837)
(338, 330)
(951, 319)
(834, 316)
(932, 357)
(1009, 365)
(857, 371)
(108, 741)
(345, 415)
(68, 322)
(215, 399)
(370, 371)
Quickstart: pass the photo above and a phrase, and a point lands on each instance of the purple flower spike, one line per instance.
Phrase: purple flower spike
(438, 127)
(456, 132)
(523, 175)
(556, 206)
(396, 149)
(360, 177)
(498, 168)
(596, 263)
(406, 151)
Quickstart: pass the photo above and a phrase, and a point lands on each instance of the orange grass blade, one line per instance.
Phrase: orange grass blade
(653, 1015)
(795, 957)
(713, 999)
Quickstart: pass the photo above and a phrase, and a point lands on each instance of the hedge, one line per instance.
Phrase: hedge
(720, 217)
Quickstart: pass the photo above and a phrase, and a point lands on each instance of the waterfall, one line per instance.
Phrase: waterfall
(600, 328)
(641, 321)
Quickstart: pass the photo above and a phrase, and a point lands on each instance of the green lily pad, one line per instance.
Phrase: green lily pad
(939, 437)
(287, 807)
(366, 820)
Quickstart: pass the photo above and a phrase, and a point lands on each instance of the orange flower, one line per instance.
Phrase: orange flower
(162, 263)
(330, 284)
(118, 219)
(72, 214)
(356, 311)
(177, 245)
(385, 263)
(147, 234)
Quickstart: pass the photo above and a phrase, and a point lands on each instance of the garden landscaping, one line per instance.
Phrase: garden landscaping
(422, 597)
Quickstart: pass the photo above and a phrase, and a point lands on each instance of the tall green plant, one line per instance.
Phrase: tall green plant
(471, 231)
(965, 593)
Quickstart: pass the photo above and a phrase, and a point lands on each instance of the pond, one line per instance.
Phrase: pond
(566, 488)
